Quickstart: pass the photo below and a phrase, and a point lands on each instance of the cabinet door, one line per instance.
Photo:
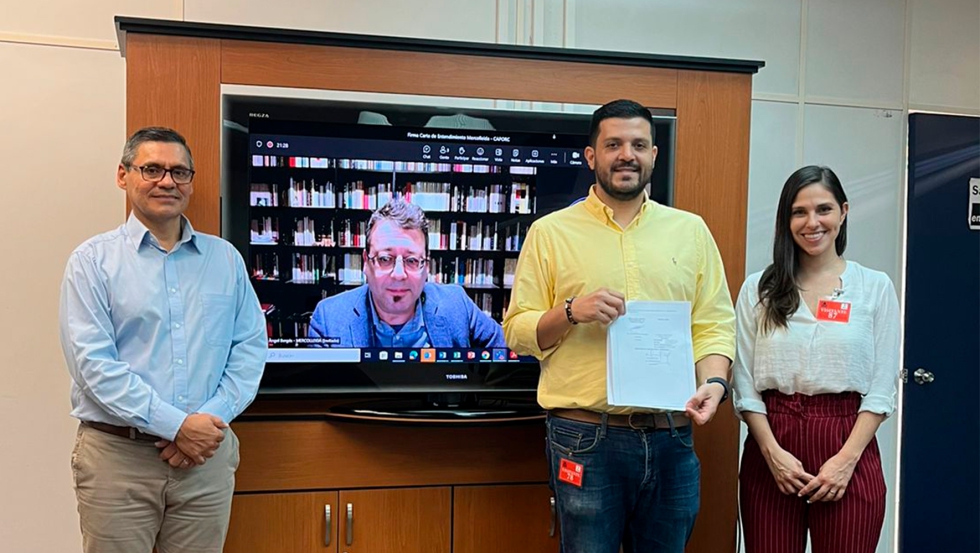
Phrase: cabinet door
(504, 519)
(412, 520)
(283, 523)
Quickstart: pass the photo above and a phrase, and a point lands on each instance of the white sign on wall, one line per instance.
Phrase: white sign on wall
(974, 204)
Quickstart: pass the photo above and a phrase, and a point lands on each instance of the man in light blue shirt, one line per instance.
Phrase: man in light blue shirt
(398, 307)
(165, 343)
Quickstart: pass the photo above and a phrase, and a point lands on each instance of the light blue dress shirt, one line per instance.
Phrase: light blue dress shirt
(150, 336)
(411, 335)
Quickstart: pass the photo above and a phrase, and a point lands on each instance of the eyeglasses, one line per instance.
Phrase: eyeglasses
(386, 263)
(155, 173)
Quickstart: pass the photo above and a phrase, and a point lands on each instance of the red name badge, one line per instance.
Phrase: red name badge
(834, 311)
(570, 472)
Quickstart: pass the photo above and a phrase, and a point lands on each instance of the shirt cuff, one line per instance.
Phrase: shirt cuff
(750, 405)
(881, 405)
(524, 329)
(714, 349)
(165, 421)
(217, 407)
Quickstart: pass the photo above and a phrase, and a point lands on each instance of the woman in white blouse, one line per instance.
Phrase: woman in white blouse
(815, 374)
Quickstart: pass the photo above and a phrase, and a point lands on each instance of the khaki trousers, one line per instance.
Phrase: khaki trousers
(129, 501)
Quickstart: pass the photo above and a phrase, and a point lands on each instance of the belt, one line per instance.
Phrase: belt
(124, 431)
(638, 421)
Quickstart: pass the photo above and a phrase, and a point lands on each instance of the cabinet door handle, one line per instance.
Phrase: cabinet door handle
(326, 517)
(350, 523)
(554, 518)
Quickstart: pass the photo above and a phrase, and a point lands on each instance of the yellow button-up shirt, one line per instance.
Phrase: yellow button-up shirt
(663, 254)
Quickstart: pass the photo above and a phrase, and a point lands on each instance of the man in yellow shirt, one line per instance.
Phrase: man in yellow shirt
(621, 476)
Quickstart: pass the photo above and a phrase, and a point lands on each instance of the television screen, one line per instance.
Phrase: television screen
(382, 238)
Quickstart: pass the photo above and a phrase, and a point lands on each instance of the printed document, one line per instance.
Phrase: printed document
(650, 356)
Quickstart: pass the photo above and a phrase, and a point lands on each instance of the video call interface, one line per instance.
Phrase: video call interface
(313, 189)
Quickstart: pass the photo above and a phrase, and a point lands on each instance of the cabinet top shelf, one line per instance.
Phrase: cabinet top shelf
(125, 25)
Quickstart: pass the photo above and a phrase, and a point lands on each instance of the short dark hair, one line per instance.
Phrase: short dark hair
(620, 109)
(152, 134)
(407, 216)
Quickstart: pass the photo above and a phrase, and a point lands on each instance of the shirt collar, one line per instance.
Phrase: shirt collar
(604, 213)
(383, 328)
(139, 234)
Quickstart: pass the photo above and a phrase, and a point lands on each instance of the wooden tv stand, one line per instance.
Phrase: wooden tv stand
(433, 487)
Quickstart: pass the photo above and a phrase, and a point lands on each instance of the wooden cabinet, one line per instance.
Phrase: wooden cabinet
(413, 520)
(410, 488)
(504, 519)
(409, 520)
(283, 523)
(464, 519)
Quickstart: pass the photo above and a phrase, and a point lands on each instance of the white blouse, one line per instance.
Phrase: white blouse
(821, 357)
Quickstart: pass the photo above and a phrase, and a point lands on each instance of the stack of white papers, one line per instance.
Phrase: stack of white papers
(650, 356)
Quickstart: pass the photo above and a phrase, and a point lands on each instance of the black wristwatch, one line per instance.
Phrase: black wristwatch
(724, 384)
(568, 310)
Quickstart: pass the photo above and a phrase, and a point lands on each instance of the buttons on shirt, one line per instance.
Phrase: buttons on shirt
(173, 290)
(180, 361)
(180, 398)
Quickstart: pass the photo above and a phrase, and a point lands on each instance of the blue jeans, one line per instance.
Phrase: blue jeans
(640, 488)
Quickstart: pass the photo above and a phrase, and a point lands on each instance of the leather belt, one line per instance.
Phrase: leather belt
(124, 431)
(638, 421)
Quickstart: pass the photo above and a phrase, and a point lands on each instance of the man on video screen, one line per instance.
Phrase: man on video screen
(397, 308)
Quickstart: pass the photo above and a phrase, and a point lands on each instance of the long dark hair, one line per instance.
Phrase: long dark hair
(778, 289)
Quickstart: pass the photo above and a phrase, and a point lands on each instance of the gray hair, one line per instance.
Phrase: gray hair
(406, 215)
(152, 134)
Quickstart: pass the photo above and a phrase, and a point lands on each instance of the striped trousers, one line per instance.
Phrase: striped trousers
(813, 429)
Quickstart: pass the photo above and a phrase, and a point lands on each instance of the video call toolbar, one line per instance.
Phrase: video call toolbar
(424, 151)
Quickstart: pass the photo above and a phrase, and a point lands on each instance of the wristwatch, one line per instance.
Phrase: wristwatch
(568, 310)
(724, 384)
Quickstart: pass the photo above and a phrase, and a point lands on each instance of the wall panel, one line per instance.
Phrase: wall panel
(89, 20)
(945, 56)
(766, 30)
(855, 51)
(475, 21)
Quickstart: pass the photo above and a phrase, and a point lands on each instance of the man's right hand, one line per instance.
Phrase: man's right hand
(603, 305)
(199, 436)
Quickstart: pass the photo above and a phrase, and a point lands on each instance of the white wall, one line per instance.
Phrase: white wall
(835, 72)
(59, 134)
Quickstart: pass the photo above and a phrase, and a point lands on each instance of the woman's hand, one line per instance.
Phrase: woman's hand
(788, 471)
(832, 480)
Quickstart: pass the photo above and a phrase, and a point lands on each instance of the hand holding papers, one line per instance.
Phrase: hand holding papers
(650, 356)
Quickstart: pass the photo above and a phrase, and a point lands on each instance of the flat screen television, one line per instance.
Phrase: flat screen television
(300, 181)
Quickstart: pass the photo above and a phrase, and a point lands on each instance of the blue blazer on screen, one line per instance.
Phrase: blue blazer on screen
(452, 320)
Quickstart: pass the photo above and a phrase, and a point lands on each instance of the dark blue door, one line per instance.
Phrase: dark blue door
(940, 481)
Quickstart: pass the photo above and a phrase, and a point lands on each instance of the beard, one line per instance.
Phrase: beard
(623, 193)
